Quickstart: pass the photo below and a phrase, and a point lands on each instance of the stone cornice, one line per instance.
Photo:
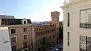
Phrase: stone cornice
(14, 25)
(72, 3)
(76, 1)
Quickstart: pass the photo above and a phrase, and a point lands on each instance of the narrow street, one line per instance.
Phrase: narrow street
(60, 45)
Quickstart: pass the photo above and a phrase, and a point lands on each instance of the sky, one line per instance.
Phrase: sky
(36, 10)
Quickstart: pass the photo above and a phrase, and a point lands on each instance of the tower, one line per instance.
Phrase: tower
(55, 19)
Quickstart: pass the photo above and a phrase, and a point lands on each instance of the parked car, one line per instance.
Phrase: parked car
(56, 50)
(60, 48)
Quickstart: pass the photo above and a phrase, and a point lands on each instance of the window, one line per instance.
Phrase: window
(13, 48)
(25, 45)
(53, 36)
(57, 28)
(85, 16)
(53, 30)
(24, 29)
(24, 22)
(68, 38)
(85, 43)
(68, 19)
(39, 42)
(13, 31)
(50, 37)
(37, 33)
(13, 39)
(57, 19)
(46, 31)
(41, 32)
(25, 36)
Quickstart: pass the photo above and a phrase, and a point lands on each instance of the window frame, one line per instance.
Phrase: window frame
(12, 46)
(13, 37)
(15, 31)
(23, 29)
(26, 35)
(23, 45)
(25, 22)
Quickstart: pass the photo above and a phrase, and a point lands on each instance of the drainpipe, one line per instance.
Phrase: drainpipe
(32, 38)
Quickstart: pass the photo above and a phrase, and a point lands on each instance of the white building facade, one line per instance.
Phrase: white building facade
(77, 25)
(5, 43)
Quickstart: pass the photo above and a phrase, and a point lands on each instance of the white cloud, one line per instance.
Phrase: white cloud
(45, 15)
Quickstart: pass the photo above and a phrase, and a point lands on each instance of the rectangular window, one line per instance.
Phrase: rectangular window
(13, 39)
(68, 19)
(25, 36)
(39, 42)
(13, 48)
(25, 45)
(53, 36)
(85, 43)
(68, 38)
(24, 22)
(24, 29)
(58, 19)
(13, 31)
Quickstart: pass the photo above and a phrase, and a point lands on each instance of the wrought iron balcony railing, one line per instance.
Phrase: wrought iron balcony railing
(85, 25)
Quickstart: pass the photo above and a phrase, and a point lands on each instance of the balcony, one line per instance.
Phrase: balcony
(85, 25)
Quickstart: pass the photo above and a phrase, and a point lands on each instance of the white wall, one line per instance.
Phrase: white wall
(5, 43)
(75, 20)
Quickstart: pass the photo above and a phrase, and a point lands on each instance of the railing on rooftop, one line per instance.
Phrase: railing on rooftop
(85, 25)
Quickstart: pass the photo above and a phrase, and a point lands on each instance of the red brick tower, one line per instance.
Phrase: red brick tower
(55, 21)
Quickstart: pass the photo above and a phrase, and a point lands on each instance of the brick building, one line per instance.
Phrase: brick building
(46, 35)
(23, 35)
(44, 32)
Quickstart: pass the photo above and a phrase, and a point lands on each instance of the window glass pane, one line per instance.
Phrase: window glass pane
(24, 22)
(25, 45)
(89, 44)
(83, 16)
(13, 39)
(13, 31)
(25, 36)
(13, 48)
(24, 29)
(82, 43)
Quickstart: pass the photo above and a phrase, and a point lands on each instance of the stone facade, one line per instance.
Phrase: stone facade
(77, 20)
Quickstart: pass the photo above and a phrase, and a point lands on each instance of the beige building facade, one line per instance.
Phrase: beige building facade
(19, 31)
(24, 36)
(77, 25)
(21, 37)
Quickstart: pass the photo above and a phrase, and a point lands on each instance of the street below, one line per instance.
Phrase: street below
(58, 45)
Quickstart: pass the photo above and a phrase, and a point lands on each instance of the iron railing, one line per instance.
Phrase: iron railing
(85, 25)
